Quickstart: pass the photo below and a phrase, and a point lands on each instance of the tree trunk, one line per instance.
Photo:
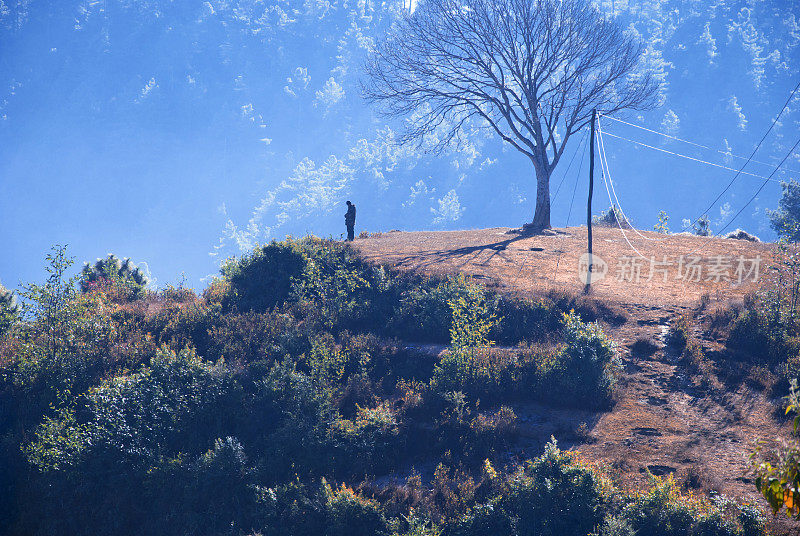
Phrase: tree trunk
(541, 217)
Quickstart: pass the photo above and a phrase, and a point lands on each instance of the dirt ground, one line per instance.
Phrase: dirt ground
(551, 260)
(665, 420)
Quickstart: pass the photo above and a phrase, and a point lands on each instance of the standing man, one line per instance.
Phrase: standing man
(350, 220)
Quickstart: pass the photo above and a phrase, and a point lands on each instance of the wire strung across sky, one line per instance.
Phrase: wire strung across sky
(604, 162)
(727, 154)
(577, 150)
(752, 198)
(572, 201)
(740, 171)
(688, 157)
(610, 200)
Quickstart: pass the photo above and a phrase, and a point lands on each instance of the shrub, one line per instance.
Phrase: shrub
(662, 227)
(583, 373)
(292, 508)
(611, 218)
(468, 365)
(664, 511)
(181, 324)
(369, 441)
(425, 313)
(526, 320)
(786, 220)
(779, 481)
(752, 335)
(702, 227)
(286, 422)
(351, 515)
(680, 332)
(492, 431)
(340, 290)
(615, 526)
(741, 234)
(99, 458)
(485, 520)
(263, 279)
(166, 407)
(119, 279)
(556, 495)
(245, 338)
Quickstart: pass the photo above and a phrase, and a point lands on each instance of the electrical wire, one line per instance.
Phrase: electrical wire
(725, 153)
(605, 181)
(752, 198)
(774, 122)
(690, 158)
(569, 213)
(604, 161)
(575, 188)
(577, 149)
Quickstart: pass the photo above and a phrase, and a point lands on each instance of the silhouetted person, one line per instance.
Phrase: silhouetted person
(350, 220)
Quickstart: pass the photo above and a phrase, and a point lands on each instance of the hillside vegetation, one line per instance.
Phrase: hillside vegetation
(294, 396)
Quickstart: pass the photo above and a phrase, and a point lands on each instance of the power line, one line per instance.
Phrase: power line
(577, 149)
(575, 189)
(752, 198)
(690, 158)
(726, 153)
(604, 159)
(605, 181)
(774, 122)
(569, 213)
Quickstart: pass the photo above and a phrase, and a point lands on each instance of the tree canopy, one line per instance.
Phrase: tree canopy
(532, 72)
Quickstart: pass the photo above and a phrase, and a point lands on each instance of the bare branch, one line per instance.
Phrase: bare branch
(532, 70)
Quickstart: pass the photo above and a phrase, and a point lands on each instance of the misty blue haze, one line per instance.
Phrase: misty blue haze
(180, 133)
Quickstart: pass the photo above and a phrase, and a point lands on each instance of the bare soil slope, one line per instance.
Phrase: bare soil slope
(665, 420)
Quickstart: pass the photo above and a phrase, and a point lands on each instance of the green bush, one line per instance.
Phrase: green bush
(263, 279)
(680, 332)
(663, 511)
(556, 495)
(425, 313)
(370, 441)
(612, 217)
(526, 320)
(99, 458)
(584, 372)
(285, 420)
(173, 405)
(339, 290)
(468, 365)
(244, 338)
(750, 335)
(121, 279)
(351, 515)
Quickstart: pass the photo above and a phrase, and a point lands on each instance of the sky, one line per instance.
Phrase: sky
(181, 133)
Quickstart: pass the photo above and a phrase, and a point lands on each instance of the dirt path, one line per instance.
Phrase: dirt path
(666, 420)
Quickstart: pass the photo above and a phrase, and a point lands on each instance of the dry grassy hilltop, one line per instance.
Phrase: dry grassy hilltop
(549, 261)
(667, 418)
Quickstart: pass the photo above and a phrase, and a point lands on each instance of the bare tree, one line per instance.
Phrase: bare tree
(530, 70)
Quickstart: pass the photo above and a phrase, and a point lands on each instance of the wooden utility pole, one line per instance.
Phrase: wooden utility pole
(589, 203)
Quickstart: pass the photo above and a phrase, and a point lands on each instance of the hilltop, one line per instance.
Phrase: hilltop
(550, 261)
(667, 419)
